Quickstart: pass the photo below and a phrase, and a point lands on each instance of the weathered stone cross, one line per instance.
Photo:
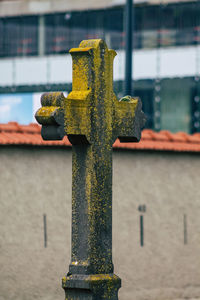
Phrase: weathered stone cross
(92, 118)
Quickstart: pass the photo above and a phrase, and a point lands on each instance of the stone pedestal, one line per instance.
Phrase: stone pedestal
(91, 287)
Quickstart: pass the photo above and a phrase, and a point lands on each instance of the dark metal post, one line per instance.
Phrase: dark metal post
(45, 230)
(128, 46)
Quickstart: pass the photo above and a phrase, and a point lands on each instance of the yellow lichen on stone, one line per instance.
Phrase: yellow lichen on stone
(99, 277)
(46, 111)
(92, 82)
(45, 115)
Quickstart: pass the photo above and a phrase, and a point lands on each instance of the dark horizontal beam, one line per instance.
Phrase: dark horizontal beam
(118, 87)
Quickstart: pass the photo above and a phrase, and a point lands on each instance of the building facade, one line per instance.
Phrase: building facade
(35, 37)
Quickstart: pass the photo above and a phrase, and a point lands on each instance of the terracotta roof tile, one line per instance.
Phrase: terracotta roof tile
(13, 133)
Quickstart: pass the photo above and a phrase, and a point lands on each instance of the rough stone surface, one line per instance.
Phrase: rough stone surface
(36, 181)
(93, 118)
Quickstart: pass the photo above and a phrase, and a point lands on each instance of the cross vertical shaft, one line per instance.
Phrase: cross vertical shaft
(92, 161)
(91, 210)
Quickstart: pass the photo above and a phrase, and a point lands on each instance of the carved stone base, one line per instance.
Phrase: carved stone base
(91, 287)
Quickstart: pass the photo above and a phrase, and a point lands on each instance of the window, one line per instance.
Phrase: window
(19, 36)
(175, 97)
(195, 105)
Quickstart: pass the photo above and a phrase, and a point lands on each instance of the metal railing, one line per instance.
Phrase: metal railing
(60, 39)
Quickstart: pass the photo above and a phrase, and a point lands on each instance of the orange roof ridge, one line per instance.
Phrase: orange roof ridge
(13, 133)
(15, 127)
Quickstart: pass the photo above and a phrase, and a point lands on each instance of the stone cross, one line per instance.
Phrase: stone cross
(92, 118)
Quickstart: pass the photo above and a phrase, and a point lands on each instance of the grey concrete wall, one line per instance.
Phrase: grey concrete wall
(36, 181)
(32, 183)
(168, 184)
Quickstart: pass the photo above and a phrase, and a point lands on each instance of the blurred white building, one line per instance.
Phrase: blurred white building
(35, 37)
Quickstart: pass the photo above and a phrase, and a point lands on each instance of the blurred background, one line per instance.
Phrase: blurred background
(35, 37)
(156, 207)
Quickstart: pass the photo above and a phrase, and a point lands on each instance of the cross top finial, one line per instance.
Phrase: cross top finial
(91, 113)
